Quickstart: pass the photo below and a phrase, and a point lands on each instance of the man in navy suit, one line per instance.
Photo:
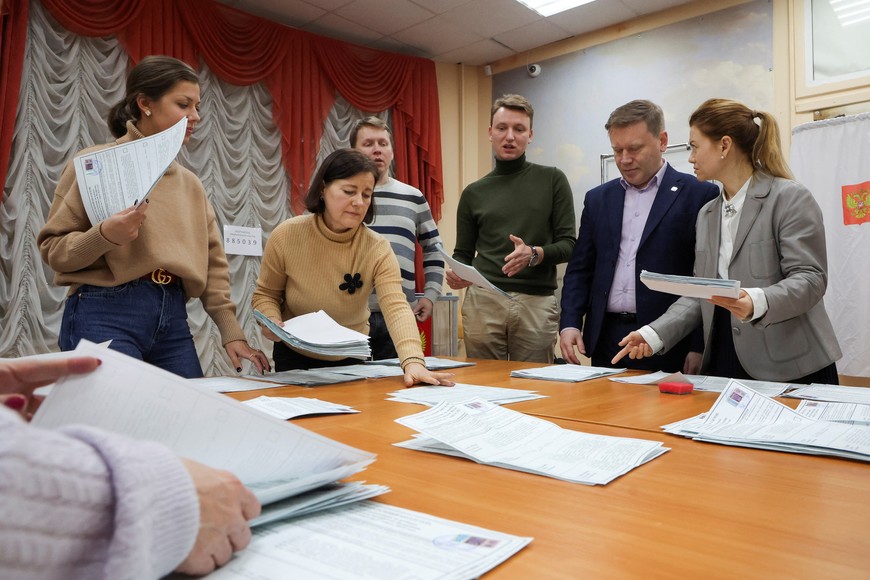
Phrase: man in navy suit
(644, 220)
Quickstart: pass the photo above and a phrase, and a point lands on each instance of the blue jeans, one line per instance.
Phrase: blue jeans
(144, 320)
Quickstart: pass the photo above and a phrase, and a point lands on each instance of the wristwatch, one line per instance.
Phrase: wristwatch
(534, 259)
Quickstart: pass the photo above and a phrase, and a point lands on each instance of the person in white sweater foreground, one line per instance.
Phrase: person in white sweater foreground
(79, 502)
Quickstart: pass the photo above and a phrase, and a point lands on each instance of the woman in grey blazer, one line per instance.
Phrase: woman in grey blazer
(765, 230)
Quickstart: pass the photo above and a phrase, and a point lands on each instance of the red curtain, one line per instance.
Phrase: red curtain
(301, 70)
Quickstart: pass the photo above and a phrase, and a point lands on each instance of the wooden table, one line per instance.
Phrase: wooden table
(700, 510)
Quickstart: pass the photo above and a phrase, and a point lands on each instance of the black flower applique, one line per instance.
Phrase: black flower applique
(351, 283)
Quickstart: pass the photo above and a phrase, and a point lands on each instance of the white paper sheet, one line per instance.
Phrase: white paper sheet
(288, 407)
(121, 176)
(370, 540)
(136, 399)
(470, 274)
(432, 395)
(566, 373)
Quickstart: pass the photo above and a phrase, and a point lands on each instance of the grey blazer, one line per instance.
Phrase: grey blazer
(780, 248)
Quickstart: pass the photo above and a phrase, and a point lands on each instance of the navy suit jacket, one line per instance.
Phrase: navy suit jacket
(667, 246)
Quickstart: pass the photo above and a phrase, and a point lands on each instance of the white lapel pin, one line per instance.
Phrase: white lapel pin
(674, 188)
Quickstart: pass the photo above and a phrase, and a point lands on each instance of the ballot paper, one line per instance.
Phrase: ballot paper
(690, 285)
(704, 383)
(433, 363)
(489, 434)
(432, 395)
(113, 179)
(274, 458)
(746, 418)
(370, 540)
(470, 274)
(288, 407)
(367, 371)
(233, 384)
(566, 373)
(853, 413)
(328, 496)
(317, 333)
(307, 377)
(834, 393)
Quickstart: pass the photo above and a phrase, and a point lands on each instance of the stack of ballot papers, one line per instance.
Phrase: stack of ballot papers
(273, 458)
(492, 435)
(746, 418)
(288, 407)
(305, 377)
(460, 392)
(366, 371)
(834, 393)
(690, 285)
(433, 363)
(704, 383)
(317, 333)
(370, 540)
(852, 413)
(566, 373)
(233, 384)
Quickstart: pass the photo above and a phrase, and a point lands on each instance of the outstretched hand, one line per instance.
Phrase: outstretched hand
(518, 260)
(416, 373)
(634, 346)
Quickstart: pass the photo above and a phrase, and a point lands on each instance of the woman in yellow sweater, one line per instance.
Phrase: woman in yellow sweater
(328, 260)
(129, 278)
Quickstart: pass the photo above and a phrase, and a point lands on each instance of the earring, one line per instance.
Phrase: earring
(147, 112)
(722, 157)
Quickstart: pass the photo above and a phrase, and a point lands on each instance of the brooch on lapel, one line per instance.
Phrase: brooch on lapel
(351, 283)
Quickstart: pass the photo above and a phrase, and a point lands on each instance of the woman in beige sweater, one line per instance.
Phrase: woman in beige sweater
(330, 261)
(130, 275)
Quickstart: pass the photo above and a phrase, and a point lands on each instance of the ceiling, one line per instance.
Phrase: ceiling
(472, 32)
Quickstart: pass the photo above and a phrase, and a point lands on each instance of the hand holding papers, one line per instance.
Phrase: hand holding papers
(493, 435)
(273, 458)
(470, 274)
(113, 179)
(690, 285)
(317, 333)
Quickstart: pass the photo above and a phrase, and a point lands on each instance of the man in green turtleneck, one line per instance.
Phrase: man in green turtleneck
(513, 225)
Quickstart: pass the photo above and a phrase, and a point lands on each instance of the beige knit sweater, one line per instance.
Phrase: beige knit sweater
(304, 265)
(180, 235)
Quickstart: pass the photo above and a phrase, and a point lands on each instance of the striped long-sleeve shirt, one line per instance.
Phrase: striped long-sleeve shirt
(402, 216)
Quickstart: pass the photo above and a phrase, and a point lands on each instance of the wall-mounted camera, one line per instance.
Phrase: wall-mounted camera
(534, 70)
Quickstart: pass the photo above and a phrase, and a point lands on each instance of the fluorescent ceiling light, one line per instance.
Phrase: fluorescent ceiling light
(550, 7)
(851, 11)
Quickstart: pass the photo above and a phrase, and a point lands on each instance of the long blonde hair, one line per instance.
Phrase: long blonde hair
(755, 133)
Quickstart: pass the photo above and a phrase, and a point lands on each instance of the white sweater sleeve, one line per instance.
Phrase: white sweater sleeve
(84, 503)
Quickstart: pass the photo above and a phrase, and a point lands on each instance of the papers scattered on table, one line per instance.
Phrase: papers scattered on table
(836, 393)
(307, 377)
(461, 392)
(288, 407)
(746, 418)
(852, 413)
(493, 435)
(370, 540)
(122, 176)
(704, 383)
(690, 285)
(566, 373)
(275, 459)
(366, 371)
(317, 333)
(233, 384)
(470, 274)
(433, 363)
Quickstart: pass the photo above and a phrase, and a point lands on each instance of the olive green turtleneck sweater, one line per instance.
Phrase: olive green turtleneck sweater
(527, 200)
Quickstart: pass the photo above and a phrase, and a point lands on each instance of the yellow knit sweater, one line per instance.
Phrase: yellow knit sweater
(304, 265)
(180, 235)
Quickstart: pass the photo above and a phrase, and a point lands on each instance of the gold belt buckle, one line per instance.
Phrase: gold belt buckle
(160, 276)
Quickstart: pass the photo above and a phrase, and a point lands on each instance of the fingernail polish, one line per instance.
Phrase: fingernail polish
(16, 402)
(238, 369)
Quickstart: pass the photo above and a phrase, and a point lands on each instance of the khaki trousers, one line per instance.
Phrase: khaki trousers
(522, 329)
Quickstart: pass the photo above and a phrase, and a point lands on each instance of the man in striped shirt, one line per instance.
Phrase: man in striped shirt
(402, 215)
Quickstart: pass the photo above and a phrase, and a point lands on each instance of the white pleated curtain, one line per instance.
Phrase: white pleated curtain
(69, 84)
(827, 156)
